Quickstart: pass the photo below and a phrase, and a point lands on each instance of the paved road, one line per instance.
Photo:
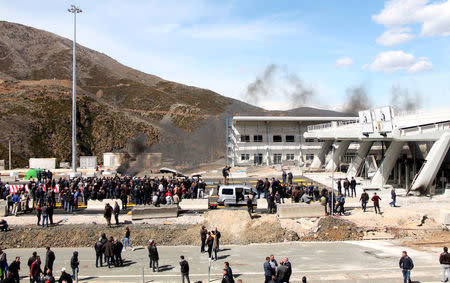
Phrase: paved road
(362, 261)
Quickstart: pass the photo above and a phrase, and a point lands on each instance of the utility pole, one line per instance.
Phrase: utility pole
(9, 155)
(75, 10)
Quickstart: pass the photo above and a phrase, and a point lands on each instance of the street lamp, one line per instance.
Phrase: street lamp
(75, 10)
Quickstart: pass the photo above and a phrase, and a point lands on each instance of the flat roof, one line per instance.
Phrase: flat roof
(291, 118)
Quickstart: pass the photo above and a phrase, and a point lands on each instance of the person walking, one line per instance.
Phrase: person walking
(203, 236)
(35, 270)
(126, 240)
(154, 256)
(49, 260)
(98, 247)
(444, 260)
(393, 197)
(364, 199)
(249, 207)
(406, 264)
(376, 202)
(74, 264)
(229, 270)
(14, 269)
(116, 212)
(184, 267)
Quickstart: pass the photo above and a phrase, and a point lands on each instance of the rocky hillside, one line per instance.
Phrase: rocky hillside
(116, 104)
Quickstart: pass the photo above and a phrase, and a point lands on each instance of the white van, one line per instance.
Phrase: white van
(228, 195)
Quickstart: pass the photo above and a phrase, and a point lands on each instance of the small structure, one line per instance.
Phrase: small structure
(2, 164)
(43, 163)
(112, 160)
(88, 162)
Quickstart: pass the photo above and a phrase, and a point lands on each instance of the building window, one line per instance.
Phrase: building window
(309, 140)
(257, 138)
(277, 138)
(245, 156)
(245, 138)
(290, 138)
(290, 156)
(258, 159)
(309, 156)
(277, 158)
(319, 140)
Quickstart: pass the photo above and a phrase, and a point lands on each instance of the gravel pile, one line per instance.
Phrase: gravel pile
(334, 229)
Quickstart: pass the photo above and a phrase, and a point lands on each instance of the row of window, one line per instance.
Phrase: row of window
(276, 157)
(275, 138)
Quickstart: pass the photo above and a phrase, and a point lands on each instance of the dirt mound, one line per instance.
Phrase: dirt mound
(237, 228)
(334, 229)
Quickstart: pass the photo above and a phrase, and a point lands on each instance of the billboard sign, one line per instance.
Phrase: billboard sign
(383, 119)
(365, 120)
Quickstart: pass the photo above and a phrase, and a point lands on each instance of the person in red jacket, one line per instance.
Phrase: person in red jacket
(35, 270)
(376, 202)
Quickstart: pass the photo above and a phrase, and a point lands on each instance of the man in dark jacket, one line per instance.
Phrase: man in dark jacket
(203, 234)
(32, 259)
(288, 265)
(109, 252)
(364, 199)
(98, 247)
(49, 260)
(406, 264)
(116, 212)
(444, 260)
(267, 270)
(107, 214)
(281, 272)
(154, 256)
(118, 246)
(226, 278)
(74, 264)
(184, 266)
(14, 268)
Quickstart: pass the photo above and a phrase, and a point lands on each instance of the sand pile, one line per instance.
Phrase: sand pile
(334, 229)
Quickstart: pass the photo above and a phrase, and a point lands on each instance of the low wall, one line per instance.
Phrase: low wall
(299, 210)
(3, 208)
(100, 204)
(141, 212)
(445, 217)
(193, 204)
(261, 203)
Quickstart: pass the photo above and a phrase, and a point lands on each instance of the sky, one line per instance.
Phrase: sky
(323, 48)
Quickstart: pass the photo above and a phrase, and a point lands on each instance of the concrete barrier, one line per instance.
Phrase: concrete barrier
(194, 204)
(299, 210)
(141, 212)
(100, 204)
(445, 217)
(261, 203)
(3, 208)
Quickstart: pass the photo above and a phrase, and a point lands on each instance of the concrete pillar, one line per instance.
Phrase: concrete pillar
(433, 162)
(319, 159)
(339, 153)
(385, 169)
(399, 175)
(364, 148)
(407, 174)
(395, 172)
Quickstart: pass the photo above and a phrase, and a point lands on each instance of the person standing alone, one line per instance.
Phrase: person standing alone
(376, 203)
(184, 267)
(444, 260)
(406, 264)
(126, 240)
(203, 235)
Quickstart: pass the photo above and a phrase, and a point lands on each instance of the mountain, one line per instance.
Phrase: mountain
(116, 105)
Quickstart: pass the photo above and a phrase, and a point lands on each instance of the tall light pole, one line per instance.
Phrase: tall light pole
(75, 10)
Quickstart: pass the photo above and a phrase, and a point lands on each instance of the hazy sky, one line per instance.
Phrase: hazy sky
(329, 46)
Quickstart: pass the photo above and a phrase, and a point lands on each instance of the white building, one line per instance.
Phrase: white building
(266, 140)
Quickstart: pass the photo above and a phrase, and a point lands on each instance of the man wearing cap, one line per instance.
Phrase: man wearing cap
(65, 277)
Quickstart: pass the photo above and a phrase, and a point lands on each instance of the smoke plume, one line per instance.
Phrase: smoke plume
(357, 100)
(402, 100)
(277, 80)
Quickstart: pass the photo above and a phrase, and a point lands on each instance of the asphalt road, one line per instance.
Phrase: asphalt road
(362, 261)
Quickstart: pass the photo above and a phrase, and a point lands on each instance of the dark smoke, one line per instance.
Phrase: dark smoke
(278, 80)
(132, 162)
(357, 100)
(402, 100)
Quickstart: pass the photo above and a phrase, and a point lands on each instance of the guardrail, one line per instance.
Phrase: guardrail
(331, 125)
